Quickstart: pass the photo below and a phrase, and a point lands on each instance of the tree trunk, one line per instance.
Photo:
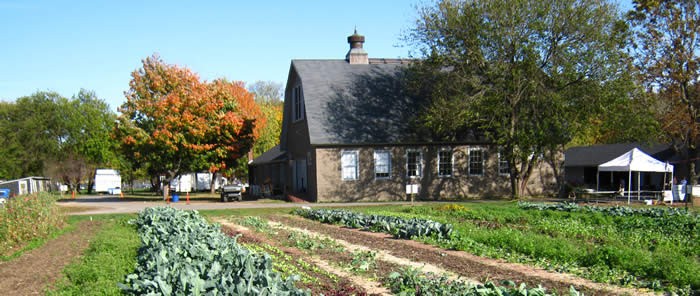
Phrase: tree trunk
(91, 181)
(513, 179)
(212, 184)
(166, 190)
(155, 184)
(692, 157)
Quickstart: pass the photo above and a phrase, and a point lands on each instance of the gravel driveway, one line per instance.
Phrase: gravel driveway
(93, 205)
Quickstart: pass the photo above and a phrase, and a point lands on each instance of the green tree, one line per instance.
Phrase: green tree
(90, 128)
(526, 74)
(34, 131)
(10, 145)
(668, 55)
(47, 134)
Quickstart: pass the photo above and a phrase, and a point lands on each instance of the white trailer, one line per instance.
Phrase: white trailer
(204, 181)
(107, 180)
(182, 183)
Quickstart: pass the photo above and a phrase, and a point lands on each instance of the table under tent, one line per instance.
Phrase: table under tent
(639, 162)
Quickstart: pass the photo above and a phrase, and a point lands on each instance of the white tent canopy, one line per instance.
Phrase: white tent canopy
(635, 161)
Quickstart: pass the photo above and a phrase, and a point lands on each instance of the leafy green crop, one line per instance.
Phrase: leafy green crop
(413, 282)
(181, 254)
(614, 210)
(398, 227)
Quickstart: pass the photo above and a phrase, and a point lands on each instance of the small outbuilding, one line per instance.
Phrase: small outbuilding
(26, 185)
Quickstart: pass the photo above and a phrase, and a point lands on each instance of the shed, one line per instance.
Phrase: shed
(27, 185)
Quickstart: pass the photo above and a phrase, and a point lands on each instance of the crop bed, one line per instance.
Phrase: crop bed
(358, 261)
(444, 249)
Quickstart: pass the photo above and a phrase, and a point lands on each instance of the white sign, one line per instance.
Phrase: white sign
(412, 189)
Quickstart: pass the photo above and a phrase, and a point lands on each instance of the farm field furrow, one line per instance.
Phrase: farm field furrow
(317, 273)
(381, 254)
(461, 263)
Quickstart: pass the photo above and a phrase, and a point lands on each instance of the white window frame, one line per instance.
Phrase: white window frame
(388, 172)
(343, 165)
(500, 164)
(452, 162)
(297, 104)
(469, 161)
(419, 163)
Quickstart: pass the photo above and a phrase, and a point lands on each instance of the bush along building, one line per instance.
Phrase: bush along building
(350, 133)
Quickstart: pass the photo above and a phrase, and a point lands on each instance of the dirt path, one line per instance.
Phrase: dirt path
(36, 270)
(461, 263)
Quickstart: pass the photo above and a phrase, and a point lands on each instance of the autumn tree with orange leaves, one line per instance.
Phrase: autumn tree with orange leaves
(173, 123)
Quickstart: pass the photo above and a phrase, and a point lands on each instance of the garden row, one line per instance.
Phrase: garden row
(401, 280)
(398, 227)
(613, 210)
(182, 254)
(657, 249)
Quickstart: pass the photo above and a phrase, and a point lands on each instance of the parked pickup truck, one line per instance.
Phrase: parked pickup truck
(230, 192)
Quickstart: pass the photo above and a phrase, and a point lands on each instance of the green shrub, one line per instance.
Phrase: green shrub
(27, 217)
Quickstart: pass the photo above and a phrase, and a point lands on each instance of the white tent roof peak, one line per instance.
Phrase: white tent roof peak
(635, 160)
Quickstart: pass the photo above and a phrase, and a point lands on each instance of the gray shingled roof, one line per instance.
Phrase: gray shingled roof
(271, 155)
(358, 104)
(586, 156)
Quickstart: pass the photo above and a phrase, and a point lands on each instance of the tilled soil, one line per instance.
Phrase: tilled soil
(342, 284)
(36, 270)
(461, 263)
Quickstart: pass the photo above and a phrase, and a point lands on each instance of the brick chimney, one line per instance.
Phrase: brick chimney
(357, 55)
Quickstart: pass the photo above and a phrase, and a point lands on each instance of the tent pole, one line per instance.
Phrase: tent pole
(638, 186)
(629, 185)
(597, 181)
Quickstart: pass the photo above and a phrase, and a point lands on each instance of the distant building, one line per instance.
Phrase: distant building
(26, 185)
(349, 134)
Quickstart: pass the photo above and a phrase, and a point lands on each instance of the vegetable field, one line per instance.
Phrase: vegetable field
(442, 249)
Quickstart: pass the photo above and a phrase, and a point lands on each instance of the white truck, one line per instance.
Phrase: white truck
(108, 181)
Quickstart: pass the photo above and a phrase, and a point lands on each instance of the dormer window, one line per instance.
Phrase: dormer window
(297, 104)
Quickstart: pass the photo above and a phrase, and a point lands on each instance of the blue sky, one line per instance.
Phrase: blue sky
(64, 46)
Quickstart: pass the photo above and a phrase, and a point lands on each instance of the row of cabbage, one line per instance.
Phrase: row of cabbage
(613, 211)
(396, 226)
(182, 254)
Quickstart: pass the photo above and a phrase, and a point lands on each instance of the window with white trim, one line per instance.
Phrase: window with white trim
(503, 165)
(297, 104)
(382, 164)
(445, 162)
(414, 165)
(476, 161)
(349, 164)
